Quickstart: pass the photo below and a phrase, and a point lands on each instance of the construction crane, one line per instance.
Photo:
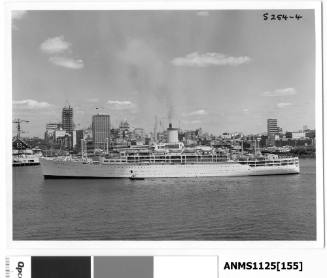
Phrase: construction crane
(18, 122)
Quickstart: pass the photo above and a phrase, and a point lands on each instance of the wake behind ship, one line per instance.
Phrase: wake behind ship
(166, 160)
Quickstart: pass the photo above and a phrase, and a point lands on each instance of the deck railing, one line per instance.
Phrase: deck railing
(187, 159)
(204, 159)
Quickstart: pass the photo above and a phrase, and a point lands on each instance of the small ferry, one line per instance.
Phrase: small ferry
(22, 153)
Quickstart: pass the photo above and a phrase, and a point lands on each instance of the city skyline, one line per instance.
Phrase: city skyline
(273, 128)
(201, 69)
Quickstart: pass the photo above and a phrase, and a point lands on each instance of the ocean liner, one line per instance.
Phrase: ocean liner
(166, 160)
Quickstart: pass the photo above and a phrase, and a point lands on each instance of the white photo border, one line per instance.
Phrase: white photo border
(163, 247)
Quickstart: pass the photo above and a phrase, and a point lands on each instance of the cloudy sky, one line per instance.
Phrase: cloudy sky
(219, 70)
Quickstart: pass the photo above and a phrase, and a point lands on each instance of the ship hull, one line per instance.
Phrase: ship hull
(77, 169)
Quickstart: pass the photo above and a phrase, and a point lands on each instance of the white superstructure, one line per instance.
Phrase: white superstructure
(166, 166)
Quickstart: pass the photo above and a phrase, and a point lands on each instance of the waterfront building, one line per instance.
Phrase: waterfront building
(101, 131)
(50, 129)
(87, 132)
(78, 135)
(114, 134)
(63, 139)
(60, 133)
(226, 135)
(272, 131)
(67, 119)
(295, 135)
(162, 136)
(310, 133)
(19, 144)
(138, 135)
(124, 132)
(298, 135)
(191, 135)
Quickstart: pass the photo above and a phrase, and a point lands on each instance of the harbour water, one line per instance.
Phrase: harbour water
(221, 208)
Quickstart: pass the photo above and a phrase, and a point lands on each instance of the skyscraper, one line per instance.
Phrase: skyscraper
(101, 130)
(67, 119)
(272, 130)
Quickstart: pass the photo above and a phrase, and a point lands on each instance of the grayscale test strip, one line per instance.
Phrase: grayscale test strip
(18, 267)
(7, 267)
(105, 267)
(123, 267)
(61, 267)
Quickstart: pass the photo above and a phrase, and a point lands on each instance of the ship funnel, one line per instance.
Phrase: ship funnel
(172, 134)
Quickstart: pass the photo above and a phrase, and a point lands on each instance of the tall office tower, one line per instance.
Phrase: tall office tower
(272, 130)
(101, 130)
(67, 119)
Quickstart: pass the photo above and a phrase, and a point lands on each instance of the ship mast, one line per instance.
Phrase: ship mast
(155, 133)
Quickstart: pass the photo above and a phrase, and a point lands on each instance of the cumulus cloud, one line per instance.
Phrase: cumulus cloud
(196, 59)
(284, 104)
(120, 104)
(200, 112)
(55, 45)
(280, 92)
(202, 13)
(65, 62)
(58, 45)
(31, 104)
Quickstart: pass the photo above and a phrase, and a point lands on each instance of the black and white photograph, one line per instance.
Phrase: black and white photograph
(164, 125)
